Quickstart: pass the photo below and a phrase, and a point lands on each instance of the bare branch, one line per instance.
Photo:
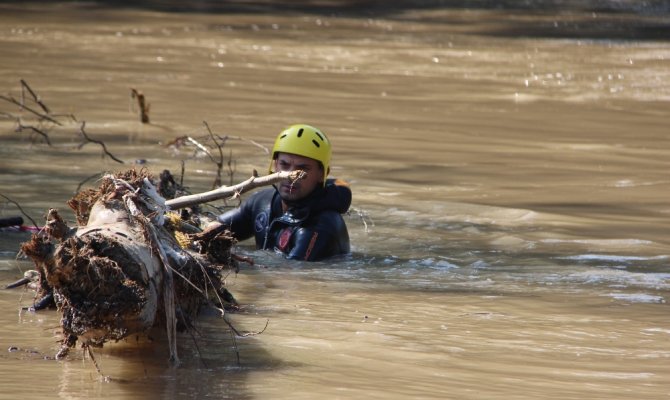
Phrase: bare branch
(200, 147)
(142, 104)
(88, 139)
(181, 176)
(25, 107)
(238, 333)
(36, 98)
(20, 209)
(36, 130)
(87, 349)
(228, 191)
(82, 183)
(255, 143)
(183, 140)
(219, 164)
(71, 117)
(8, 115)
(232, 167)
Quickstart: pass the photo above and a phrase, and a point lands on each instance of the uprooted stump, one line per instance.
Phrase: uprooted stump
(122, 271)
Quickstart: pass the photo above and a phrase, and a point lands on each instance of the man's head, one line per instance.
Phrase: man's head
(306, 148)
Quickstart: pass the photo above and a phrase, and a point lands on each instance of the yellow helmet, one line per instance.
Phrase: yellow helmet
(306, 141)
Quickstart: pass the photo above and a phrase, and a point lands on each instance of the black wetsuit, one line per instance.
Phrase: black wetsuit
(311, 229)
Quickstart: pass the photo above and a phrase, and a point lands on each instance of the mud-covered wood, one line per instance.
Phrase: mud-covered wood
(120, 271)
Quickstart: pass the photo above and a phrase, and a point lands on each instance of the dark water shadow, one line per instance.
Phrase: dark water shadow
(375, 7)
(560, 19)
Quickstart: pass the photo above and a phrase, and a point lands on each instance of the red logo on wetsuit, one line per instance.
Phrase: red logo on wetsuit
(284, 238)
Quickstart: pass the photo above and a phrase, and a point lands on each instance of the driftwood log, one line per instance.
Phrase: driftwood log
(125, 269)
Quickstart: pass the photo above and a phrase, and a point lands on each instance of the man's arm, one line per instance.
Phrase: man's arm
(238, 221)
(224, 222)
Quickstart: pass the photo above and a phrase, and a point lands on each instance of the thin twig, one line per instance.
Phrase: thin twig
(82, 183)
(36, 130)
(20, 209)
(179, 141)
(25, 107)
(36, 98)
(197, 348)
(181, 177)
(219, 164)
(70, 116)
(234, 340)
(238, 333)
(255, 143)
(186, 279)
(200, 147)
(232, 167)
(216, 292)
(102, 144)
(233, 330)
(87, 348)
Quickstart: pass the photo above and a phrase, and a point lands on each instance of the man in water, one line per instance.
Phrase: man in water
(300, 219)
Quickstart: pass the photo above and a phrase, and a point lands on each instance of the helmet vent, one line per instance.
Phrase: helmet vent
(300, 132)
(316, 143)
(283, 136)
(319, 135)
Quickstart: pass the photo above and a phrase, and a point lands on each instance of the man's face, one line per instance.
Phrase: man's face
(303, 187)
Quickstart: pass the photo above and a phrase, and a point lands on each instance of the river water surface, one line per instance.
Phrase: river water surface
(510, 170)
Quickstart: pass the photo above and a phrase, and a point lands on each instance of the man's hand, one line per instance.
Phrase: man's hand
(209, 233)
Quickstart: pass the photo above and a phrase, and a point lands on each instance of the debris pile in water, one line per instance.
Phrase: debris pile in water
(122, 271)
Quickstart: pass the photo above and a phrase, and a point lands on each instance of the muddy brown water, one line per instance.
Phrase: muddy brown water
(510, 177)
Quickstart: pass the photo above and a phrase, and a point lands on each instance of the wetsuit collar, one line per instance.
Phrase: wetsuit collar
(299, 210)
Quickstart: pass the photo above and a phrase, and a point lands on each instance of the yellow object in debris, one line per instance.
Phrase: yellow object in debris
(183, 239)
(174, 224)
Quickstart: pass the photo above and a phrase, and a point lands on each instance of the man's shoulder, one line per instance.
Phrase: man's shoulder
(327, 219)
(256, 202)
(336, 196)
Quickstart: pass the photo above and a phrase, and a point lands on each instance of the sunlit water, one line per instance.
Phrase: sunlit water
(510, 177)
